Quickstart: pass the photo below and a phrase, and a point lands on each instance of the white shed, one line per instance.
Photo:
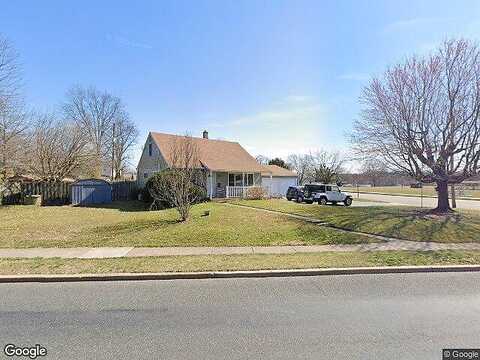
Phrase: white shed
(278, 179)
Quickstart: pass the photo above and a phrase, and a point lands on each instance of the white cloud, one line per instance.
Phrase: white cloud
(414, 23)
(123, 41)
(356, 76)
(297, 99)
(293, 125)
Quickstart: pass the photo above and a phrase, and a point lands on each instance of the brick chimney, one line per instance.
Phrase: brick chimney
(205, 134)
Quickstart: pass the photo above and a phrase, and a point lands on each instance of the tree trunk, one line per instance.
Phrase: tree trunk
(453, 196)
(443, 205)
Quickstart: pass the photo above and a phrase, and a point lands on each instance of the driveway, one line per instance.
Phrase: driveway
(409, 200)
(396, 316)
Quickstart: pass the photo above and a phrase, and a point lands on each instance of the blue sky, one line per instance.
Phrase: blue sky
(277, 76)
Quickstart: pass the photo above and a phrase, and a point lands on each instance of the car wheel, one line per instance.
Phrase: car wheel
(322, 201)
(299, 199)
(309, 201)
(334, 203)
(289, 198)
(348, 202)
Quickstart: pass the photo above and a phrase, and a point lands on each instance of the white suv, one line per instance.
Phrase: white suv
(330, 193)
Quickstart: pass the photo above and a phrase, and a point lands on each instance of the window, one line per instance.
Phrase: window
(150, 149)
(329, 188)
(237, 179)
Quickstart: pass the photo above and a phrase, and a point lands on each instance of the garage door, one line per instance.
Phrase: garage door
(279, 185)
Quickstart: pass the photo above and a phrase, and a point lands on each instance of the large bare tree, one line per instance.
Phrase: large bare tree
(57, 148)
(95, 112)
(124, 136)
(13, 120)
(10, 75)
(13, 127)
(422, 117)
(183, 183)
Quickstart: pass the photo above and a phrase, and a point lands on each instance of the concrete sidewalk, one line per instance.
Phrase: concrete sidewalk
(118, 252)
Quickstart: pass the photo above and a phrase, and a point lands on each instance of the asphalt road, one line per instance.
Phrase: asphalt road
(411, 201)
(406, 316)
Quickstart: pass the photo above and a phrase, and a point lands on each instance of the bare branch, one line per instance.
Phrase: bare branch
(422, 117)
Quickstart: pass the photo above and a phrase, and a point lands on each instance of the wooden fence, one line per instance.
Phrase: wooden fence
(124, 190)
(59, 193)
(52, 192)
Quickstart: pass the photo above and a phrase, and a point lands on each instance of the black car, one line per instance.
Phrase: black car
(295, 192)
(310, 190)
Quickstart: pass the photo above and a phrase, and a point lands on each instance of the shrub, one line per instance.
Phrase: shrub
(145, 194)
(256, 193)
(168, 188)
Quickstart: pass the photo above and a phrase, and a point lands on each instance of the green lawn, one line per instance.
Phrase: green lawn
(403, 222)
(407, 190)
(129, 224)
(236, 262)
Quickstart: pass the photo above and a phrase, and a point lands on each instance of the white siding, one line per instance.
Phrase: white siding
(279, 185)
(149, 165)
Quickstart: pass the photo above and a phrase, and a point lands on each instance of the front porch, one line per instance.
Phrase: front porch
(231, 184)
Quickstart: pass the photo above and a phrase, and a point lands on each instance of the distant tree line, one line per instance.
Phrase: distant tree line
(329, 167)
(319, 166)
(89, 135)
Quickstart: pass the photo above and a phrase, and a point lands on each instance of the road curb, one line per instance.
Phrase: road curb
(236, 274)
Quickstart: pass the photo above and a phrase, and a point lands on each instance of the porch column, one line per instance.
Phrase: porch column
(243, 184)
(211, 185)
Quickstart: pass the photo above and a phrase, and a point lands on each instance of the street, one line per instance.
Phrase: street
(402, 316)
(410, 201)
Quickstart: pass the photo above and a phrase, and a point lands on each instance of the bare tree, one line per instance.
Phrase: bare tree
(10, 79)
(94, 112)
(183, 183)
(12, 117)
(57, 148)
(13, 126)
(302, 165)
(261, 159)
(327, 166)
(124, 136)
(422, 117)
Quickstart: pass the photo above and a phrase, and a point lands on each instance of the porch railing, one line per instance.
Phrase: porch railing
(241, 191)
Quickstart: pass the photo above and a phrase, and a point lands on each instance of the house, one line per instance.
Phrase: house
(278, 180)
(229, 168)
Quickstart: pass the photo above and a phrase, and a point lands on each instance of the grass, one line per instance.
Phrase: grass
(236, 262)
(402, 222)
(407, 190)
(129, 224)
